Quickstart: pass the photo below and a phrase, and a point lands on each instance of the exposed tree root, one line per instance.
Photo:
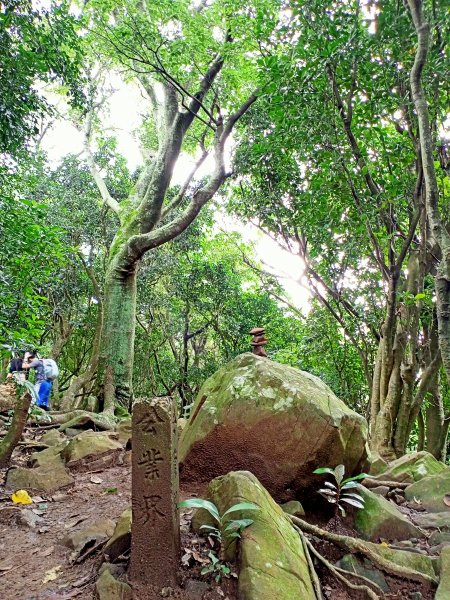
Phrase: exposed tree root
(75, 418)
(338, 573)
(354, 545)
(368, 482)
(312, 571)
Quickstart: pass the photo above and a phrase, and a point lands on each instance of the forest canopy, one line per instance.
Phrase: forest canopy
(321, 128)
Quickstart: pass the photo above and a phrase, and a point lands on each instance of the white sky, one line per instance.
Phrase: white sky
(124, 114)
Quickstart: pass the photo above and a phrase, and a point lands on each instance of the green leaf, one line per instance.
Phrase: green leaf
(349, 485)
(238, 524)
(241, 506)
(322, 470)
(325, 492)
(330, 485)
(214, 530)
(356, 477)
(200, 503)
(339, 473)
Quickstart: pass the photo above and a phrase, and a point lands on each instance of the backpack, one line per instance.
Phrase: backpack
(51, 370)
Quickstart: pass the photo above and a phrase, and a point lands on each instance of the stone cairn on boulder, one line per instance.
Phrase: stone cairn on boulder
(259, 341)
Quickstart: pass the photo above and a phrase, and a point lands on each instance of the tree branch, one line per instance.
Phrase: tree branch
(181, 194)
(101, 185)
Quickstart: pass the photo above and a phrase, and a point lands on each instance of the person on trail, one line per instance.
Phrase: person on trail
(34, 362)
(44, 394)
(46, 370)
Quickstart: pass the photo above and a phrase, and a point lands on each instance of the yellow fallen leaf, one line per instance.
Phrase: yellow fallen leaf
(21, 497)
(52, 574)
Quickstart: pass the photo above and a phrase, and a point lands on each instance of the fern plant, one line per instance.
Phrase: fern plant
(338, 492)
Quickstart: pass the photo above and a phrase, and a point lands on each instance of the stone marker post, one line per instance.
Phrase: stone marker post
(155, 531)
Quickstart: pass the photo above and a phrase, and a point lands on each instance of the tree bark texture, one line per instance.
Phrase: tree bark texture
(12, 438)
(115, 365)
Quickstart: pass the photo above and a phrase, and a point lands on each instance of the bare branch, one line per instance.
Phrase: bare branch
(104, 192)
(234, 117)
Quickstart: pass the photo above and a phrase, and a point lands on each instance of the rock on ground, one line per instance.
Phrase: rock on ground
(53, 438)
(411, 467)
(272, 560)
(120, 541)
(41, 479)
(110, 588)
(365, 568)
(278, 422)
(89, 535)
(412, 560)
(381, 519)
(433, 520)
(50, 457)
(431, 491)
(89, 446)
(443, 591)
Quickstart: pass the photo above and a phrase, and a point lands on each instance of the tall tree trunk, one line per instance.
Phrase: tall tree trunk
(427, 146)
(115, 368)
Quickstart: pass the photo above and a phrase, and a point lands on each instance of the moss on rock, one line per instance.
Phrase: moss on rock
(276, 421)
(381, 519)
(272, 560)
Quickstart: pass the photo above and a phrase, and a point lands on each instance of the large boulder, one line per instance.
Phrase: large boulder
(89, 446)
(381, 519)
(411, 467)
(276, 421)
(431, 492)
(272, 560)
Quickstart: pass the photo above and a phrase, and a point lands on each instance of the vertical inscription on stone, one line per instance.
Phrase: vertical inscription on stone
(155, 533)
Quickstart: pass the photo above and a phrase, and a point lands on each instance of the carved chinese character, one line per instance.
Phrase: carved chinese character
(150, 459)
(152, 512)
(149, 420)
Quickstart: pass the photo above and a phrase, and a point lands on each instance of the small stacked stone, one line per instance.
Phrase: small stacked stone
(259, 341)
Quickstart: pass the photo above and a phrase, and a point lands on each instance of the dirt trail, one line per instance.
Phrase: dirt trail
(32, 553)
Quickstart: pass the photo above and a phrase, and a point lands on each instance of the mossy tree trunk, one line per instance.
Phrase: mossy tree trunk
(115, 365)
(147, 218)
(12, 438)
